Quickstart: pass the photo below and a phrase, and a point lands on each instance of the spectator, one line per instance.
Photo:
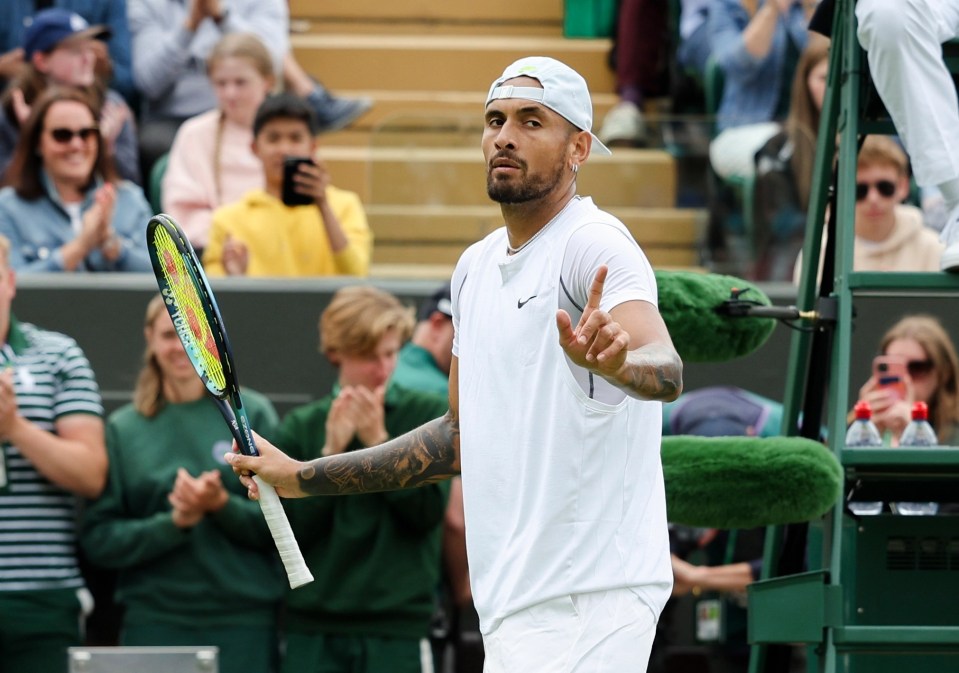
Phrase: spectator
(375, 557)
(172, 40)
(18, 17)
(890, 235)
(784, 167)
(424, 361)
(65, 210)
(932, 377)
(52, 433)
(693, 49)
(261, 236)
(195, 558)
(641, 64)
(754, 42)
(903, 41)
(60, 48)
(211, 162)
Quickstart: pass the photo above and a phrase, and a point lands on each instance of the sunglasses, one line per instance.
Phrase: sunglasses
(919, 368)
(886, 188)
(64, 136)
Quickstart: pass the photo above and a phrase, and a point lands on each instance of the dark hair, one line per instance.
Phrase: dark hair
(23, 174)
(284, 106)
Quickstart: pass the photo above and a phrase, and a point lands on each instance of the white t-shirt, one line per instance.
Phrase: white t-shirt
(562, 480)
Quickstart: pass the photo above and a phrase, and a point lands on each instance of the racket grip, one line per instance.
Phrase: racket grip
(290, 555)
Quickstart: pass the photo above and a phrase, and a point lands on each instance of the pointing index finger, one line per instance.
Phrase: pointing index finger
(596, 289)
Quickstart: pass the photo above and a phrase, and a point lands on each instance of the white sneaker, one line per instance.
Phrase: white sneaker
(623, 126)
(949, 261)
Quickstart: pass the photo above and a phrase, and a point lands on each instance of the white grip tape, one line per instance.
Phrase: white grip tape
(275, 516)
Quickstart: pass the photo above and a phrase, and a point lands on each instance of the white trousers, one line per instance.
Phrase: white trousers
(903, 41)
(732, 153)
(599, 632)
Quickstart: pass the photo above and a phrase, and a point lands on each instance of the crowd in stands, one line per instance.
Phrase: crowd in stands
(97, 93)
(177, 85)
(762, 73)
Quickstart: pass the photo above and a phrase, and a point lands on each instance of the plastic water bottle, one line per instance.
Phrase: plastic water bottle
(918, 433)
(863, 432)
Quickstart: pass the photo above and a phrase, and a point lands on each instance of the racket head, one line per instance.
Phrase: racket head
(191, 305)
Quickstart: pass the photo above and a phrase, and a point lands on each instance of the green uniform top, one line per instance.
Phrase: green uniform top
(416, 369)
(375, 557)
(225, 570)
(52, 379)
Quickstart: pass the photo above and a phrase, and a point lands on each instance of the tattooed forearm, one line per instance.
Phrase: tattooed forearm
(425, 455)
(652, 372)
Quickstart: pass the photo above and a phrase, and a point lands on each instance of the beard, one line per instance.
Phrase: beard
(530, 187)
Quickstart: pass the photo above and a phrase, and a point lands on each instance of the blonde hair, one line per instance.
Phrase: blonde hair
(148, 394)
(245, 46)
(358, 317)
(883, 151)
(929, 333)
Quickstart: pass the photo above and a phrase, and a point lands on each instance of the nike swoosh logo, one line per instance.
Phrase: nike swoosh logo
(521, 304)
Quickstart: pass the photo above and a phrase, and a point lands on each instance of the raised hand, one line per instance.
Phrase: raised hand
(236, 256)
(368, 413)
(11, 63)
(340, 423)
(112, 118)
(96, 228)
(598, 342)
(20, 107)
(312, 180)
(8, 403)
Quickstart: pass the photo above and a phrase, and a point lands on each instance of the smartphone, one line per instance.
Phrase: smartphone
(890, 372)
(290, 196)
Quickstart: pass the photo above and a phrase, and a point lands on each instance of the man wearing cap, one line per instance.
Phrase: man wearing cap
(60, 48)
(424, 361)
(560, 361)
(16, 17)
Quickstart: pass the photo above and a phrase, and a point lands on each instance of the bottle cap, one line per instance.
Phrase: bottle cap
(920, 411)
(862, 410)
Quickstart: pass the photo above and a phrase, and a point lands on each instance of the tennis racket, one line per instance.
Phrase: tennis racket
(197, 320)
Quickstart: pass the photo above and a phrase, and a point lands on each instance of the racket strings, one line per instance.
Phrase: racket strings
(190, 320)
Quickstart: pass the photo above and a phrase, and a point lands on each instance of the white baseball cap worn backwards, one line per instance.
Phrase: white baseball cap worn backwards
(564, 92)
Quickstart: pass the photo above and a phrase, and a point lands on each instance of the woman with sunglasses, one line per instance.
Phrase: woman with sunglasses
(932, 376)
(62, 49)
(890, 235)
(64, 208)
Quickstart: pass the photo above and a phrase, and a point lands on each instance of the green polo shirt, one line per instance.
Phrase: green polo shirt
(417, 370)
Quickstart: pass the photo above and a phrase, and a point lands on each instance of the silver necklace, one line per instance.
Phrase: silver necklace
(510, 250)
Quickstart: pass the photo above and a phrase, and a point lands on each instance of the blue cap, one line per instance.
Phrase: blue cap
(48, 28)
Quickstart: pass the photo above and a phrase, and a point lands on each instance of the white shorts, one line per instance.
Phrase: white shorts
(598, 632)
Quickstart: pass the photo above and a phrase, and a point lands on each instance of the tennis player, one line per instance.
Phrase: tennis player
(560, 362)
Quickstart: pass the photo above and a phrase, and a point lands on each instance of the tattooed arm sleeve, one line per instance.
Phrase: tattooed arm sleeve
(428, 454)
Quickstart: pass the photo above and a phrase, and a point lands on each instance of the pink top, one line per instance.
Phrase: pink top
(191, 189)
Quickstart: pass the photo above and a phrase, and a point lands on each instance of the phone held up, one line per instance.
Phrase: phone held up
(290, 196)
(890, 372)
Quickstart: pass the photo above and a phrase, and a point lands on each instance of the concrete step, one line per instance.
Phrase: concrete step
(425, 176)
(326, 25)
(438, 235)
(501, 11)
(427, 119)
(439, 62)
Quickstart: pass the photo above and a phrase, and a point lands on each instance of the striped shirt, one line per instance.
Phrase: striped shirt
(53, 379)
